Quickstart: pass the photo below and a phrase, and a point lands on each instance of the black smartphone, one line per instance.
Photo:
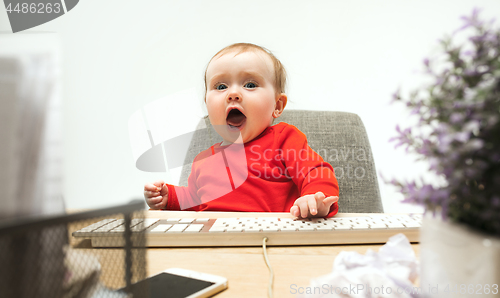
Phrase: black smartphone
(180, 283)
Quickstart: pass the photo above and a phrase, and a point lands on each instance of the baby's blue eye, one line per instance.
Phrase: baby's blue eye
(250, 85)
(221, 87)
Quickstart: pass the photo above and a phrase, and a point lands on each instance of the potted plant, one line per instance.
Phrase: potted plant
(458, 133)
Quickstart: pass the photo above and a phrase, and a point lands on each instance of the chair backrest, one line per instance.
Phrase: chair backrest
(339, 137)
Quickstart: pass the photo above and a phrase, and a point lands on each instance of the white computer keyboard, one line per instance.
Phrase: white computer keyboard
(250, 231)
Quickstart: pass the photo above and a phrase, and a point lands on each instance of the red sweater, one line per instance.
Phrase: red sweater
(266, 174)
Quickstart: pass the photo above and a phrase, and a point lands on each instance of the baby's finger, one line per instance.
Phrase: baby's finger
(295, 211)
(159, 183)
(150, 187)
(330, 200)
(302, 204)
(326, 204)
(158, 206)
(319, 196)
(164, 190)
(312, 206)
(154, 206)
(150, 194)
(155, 200)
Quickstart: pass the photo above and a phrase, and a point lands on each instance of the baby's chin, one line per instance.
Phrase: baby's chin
(230, 135)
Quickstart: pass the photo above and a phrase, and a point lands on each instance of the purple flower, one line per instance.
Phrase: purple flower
(426, 62)
(458, 128)
(471, 21)
(416, 110)
(462, 136)
(486, 37)
(468, 53)
(470, 72)
(456, 117)
(434, 164)
(395, 96)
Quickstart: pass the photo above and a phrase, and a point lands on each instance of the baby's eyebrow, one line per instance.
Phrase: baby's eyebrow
(252, 74)
(245, 74)
(216, 78)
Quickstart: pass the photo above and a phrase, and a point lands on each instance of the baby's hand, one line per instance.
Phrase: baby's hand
(156, 194)
(315, 205)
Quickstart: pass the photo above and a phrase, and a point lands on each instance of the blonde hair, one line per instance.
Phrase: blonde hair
(279, 69)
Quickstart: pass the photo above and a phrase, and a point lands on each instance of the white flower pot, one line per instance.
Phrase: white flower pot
(457, 261)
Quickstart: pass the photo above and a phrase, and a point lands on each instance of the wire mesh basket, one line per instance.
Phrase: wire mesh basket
(40, 258)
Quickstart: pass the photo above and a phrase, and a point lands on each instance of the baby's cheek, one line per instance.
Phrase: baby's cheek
(214, 116)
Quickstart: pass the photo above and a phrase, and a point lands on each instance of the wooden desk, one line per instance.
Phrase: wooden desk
(245, 267)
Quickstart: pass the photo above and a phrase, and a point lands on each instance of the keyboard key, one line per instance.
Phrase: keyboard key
(149, 222)
(160, 228)
(412, 224)
(186, 220)
(145, 224)
(218, 229)
(97, 225)
(228, 220)
(177, 228)
(134, 224)
(252, 229)
(234, 229)
(395, 225)
(360, 227)
(194, 228)
(108, 227)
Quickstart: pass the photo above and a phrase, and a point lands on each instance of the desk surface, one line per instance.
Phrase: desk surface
(245, 267)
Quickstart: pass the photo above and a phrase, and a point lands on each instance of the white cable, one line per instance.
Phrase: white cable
(271, 274)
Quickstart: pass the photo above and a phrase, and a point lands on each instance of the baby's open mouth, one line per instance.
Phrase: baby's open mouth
(235, 118)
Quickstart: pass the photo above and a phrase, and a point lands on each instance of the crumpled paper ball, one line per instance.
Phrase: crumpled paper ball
(388, 273)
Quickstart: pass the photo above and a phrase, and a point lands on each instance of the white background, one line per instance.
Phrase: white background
(340, 56)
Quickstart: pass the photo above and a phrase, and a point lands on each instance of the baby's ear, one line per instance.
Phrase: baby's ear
(280, 105)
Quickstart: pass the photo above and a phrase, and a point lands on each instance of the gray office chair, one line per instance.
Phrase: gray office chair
(339, 137)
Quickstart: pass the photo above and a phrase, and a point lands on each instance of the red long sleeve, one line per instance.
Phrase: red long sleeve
(265, 175)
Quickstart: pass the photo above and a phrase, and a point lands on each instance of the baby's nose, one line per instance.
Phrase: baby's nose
(234, 95)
